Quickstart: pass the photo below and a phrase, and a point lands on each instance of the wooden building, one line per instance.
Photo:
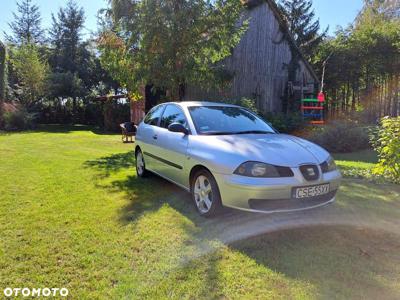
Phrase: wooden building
(260, 63)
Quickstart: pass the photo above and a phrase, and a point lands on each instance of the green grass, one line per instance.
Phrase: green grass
(341, 262)
(358, 164)
(366, 158)
(73, 214)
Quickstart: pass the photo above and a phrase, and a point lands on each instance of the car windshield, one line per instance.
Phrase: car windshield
(225, 120)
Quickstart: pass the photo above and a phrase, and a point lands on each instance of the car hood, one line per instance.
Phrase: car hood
(275, 149)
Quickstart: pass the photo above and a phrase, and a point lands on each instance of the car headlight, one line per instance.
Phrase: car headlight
(262, 170)
(329, 165)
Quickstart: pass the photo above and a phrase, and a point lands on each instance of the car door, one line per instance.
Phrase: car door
(149, 135)
(172, 146)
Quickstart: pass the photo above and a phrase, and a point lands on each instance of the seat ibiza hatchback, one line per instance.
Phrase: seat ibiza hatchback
(224, 155)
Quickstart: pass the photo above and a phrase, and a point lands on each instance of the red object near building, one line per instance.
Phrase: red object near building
(321, 97)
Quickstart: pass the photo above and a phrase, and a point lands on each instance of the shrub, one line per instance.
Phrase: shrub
(285, 123)
(386, 142)
(115, 114)
(341, 137)
(18, 120)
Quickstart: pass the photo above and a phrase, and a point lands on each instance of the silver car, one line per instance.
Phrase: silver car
(224, 155)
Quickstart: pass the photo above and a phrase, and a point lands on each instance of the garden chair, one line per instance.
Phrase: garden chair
(128, 131)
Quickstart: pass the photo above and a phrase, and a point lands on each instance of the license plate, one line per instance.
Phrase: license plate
(311, 191)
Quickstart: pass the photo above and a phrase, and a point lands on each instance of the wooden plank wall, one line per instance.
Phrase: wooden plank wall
(259, 63)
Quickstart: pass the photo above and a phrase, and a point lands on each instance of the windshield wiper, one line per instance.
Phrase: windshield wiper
(255, 132)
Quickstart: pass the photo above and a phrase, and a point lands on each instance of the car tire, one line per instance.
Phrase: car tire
(140, 164)
(205, 194)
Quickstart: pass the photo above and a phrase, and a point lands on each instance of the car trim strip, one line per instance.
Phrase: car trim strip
(282, 210)
(167, 162)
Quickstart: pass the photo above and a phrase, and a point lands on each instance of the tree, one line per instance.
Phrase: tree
(363, 72)
(65, 38)
(170, 43)
(300, 18)
(31, 72)
(26, 25)
(389, 8)
(3, 79)
(68, 52)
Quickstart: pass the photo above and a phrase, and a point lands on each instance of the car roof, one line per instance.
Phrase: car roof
(201, 103)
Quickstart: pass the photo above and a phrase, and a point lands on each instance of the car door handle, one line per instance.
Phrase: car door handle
(155, 137)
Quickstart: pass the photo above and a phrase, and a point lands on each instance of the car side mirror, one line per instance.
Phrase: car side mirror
(178, 127)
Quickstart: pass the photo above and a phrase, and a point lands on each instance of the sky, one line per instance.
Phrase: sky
(334, 13)
(47, 7)
(330, 13)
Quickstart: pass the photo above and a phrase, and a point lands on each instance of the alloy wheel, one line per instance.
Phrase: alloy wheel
(203, 194)
(139, 163)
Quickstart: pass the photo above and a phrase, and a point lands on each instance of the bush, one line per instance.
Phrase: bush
(115, 114)
(18, 120)
(341, 137)
(386, 142)
(285, 123)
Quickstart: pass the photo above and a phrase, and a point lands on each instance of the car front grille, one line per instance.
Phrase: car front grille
(272, 205)
(310, 172)
(285, 171)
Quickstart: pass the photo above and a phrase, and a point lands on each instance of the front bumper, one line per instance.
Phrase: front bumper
(273, 195)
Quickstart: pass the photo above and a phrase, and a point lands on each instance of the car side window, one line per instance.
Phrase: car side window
(154, 116)
(173, 114)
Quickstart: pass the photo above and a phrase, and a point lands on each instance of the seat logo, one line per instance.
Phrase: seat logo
(311, 172)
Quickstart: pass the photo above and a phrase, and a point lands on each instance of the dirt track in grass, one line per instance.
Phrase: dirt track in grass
(359, 204)
(347, 250)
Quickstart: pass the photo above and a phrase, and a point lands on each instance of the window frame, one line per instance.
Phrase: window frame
(162, 107)
(183, 113)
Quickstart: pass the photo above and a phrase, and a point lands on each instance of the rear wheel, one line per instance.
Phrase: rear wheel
(140, 164)
(205, 193)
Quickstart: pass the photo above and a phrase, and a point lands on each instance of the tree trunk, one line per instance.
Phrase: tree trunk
(353, 99)
(395, 109)
(2, 80)
(74, 110)
(380, 97)
(389, 96)
(343, 98)
(2, 72)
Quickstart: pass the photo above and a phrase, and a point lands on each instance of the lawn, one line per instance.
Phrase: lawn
(358, 164)
(73, 214)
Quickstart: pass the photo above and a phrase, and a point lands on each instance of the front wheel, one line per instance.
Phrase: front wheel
(205, 194)
(140, 164)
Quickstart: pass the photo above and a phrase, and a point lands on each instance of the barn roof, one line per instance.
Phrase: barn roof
(282, 23)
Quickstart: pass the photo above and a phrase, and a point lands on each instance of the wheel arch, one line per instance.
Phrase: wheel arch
(218, 200)
(137, 148)
(193, 172)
